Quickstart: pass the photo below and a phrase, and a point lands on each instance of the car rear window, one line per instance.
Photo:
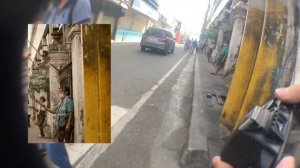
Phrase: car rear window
(169, 34)
(154, 32)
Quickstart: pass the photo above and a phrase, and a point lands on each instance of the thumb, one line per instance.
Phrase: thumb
(289, 95)
(287, 162)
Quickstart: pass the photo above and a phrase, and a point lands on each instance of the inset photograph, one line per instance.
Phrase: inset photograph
(69, 88)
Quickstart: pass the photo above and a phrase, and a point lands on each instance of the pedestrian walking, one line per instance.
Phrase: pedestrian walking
(186, 44)
(41, 115)
(191, 45)
(198, 47)
(29, 116)
(203, 47)
(64, 110)
(195, 43)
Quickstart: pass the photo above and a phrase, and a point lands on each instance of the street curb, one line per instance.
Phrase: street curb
(197, 135)
(197, 131)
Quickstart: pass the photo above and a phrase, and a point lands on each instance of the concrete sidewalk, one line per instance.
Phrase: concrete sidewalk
(33, 135)
(206, 134)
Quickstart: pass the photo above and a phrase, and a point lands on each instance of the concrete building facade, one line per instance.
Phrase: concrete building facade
(228, 16)
(109, 12)
(129, 18)
(141, 15)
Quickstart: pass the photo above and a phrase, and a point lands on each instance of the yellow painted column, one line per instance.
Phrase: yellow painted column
(245, 62)
(267, 66)
(97, 83)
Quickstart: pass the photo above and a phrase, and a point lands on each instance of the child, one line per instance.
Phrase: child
(42, 115)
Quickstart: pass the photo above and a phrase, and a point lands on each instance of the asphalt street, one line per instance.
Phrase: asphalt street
(156, 90)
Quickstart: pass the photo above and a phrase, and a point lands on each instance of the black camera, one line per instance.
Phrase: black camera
(261, 140)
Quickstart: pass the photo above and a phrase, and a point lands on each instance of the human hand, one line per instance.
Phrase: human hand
(218, 163)
(67, 129)
(289, 94)
(286, 162)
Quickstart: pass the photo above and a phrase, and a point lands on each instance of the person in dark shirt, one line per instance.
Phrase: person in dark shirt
(220, 61)
(195, 44)
(69, 11)
(16, 152)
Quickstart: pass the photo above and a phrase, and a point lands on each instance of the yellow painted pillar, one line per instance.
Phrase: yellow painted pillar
(267, 66)
(97, 83)
(245, 62)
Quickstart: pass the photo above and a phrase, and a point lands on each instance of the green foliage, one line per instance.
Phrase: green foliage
(39, 79)
(211, 33)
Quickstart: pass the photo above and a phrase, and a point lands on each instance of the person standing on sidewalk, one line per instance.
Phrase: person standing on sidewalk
(29, 113)
(203, 47)
(209, 51)
(220, 61)
(64, 123)
(187, 44)
(41, 115)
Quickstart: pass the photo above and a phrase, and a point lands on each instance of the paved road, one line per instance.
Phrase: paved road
(135, 72)
(155, 91)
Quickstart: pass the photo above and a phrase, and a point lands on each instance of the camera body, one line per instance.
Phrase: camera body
(260, 140)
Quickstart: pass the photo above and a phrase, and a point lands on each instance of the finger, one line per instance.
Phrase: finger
(290, 94)
(287, 162)
(218, 163)
(216, 160)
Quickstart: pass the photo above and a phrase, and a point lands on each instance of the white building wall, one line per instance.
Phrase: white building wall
(133, 21)
(37, 35)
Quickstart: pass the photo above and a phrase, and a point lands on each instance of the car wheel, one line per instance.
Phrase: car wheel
(173, 50)
(165, 51)
(143, 48)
